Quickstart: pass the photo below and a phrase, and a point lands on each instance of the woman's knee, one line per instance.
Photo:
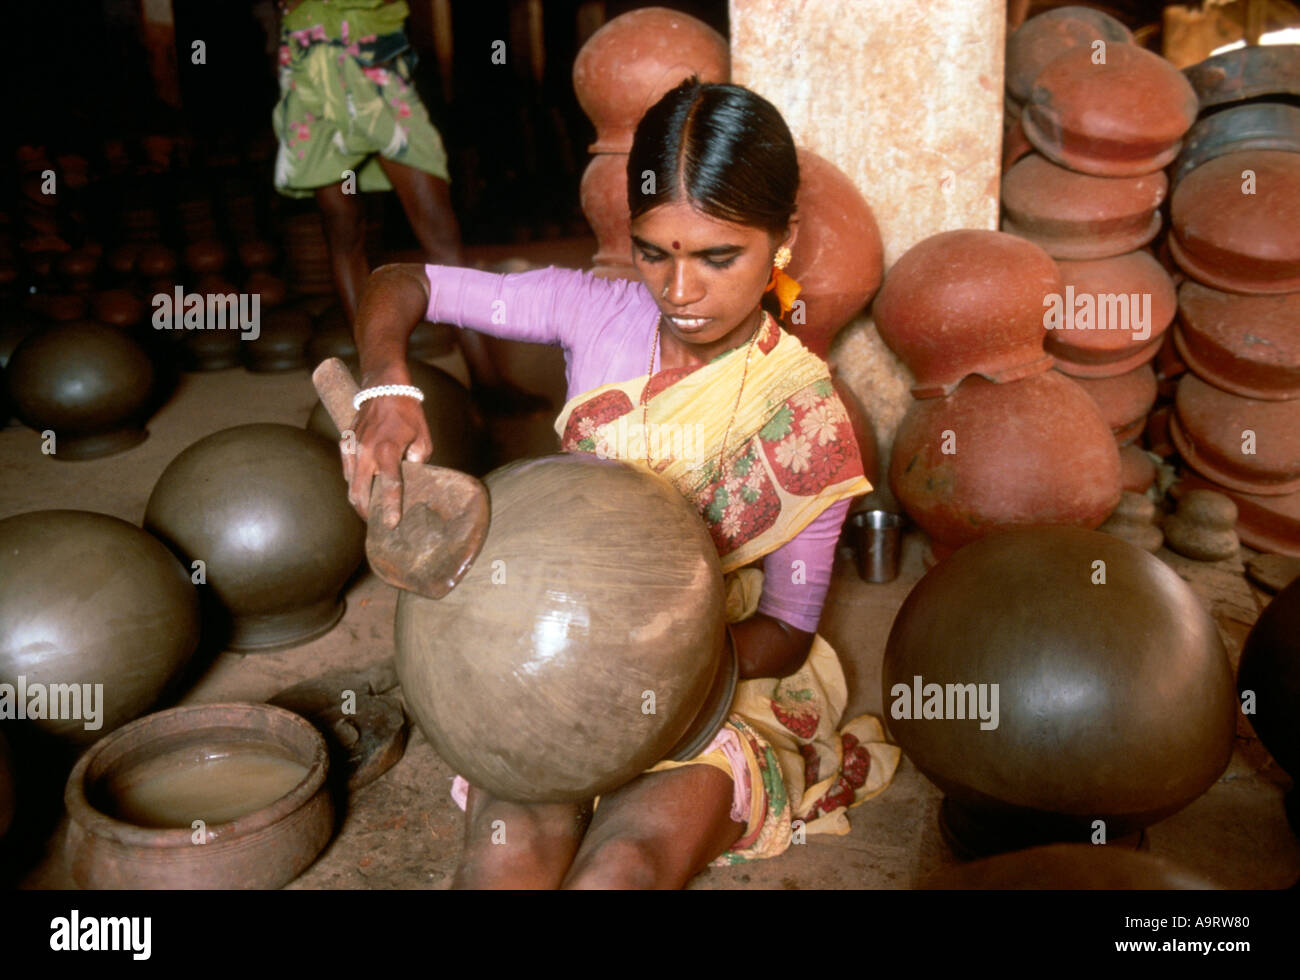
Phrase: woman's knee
(621, 862)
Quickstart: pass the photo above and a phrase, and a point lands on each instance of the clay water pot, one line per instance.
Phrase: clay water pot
(603, 194)
(7, 804)
(257, 254)
(265, 507)
(557, 629)
(1134, 520)
(1078, 216)
(1246, 73)
(1203, 527)
(1121, 308)
(967, 302)
(1068, 867)
(155, 261)
(89, 599)
(1115, 700)
(1030, 452)
(122, 259)
(837, 258)
(456, 432)
(1137, 471)
(1248, 345)
(80, 263)
(1041, 39)
(212, 350)
(1266, 523)
(1258, 126)
(271, 289)
(1124, 400)
(281, 344)
(1123, 118)
(331, 338)
(88, 383)
(1240, 242)
(111, 845)
(119, 308)
(1211, 429)
(628, 64)
(1270, 667)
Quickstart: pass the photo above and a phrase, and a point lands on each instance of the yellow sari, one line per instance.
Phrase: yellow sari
(758, 479)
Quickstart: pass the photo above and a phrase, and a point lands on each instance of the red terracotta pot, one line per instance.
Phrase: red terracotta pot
(155, 261)
(119, 308)
(1076, 216)
(1037, 42)
(256, 254)
(1212, 430)
(1266, 523)
(1123, 400)
(627, 66)
(1030, 452)
(208, 255)
(1237, 241)
(838, 256)
(1121, 306)
(122, 259)
(271, 289)
(967, 302)
(80, 263)
(1248, 345)
(1123, 118)
(1136, 470)
(604, 201)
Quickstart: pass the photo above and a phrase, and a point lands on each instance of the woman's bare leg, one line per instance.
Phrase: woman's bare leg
(518, 845)
(658, 831)
(345, 232)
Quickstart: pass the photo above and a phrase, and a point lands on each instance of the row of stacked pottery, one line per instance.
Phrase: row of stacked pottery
(624, 68)
(1235, 215)
(995, 439)
(308, 255)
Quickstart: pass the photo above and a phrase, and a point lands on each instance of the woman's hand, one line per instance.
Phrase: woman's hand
(387, 430)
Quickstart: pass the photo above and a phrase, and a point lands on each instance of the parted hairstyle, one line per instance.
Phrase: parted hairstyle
(725, 148)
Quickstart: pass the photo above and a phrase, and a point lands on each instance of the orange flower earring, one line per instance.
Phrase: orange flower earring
(785, 287)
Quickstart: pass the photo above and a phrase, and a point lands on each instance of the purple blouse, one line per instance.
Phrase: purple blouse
(607, 329)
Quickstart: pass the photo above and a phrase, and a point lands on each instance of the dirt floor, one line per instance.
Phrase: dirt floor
(403, 831)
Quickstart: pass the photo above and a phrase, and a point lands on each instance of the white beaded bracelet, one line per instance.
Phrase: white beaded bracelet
(379, 391)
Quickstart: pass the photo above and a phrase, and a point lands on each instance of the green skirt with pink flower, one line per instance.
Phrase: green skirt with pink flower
(336, 114)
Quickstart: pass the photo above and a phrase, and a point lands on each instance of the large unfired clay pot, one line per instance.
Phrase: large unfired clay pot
(1029, 452)
(1115, 696)
(265, 508)
(1124, 400)
(87, 383)
(1270, 668)
(967, 302)
(1040, 40)
(597, 593)
(88, 599)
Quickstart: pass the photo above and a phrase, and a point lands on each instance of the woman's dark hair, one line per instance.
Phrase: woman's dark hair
(722, 146)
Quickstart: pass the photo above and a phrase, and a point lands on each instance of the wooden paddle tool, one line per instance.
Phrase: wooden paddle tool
(444, 511)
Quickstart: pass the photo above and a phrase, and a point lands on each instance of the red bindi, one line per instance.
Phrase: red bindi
(676, 246)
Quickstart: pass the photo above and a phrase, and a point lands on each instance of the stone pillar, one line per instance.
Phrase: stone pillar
(906, 99)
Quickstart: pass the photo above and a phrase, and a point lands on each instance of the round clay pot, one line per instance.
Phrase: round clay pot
(1270, 668)
(212, 350)
(1240, 242)
(1034, 451)
(80, 263)
(282, 343)
(1123, 118)
(967, 302)
(257, 254)
(1266, 523)
(457, 435)
(837, 258)
(1258, 126)
(120, 836)
(1246, 73)
(155, 261)
(1248, 345)
(88, 599)
(1068, 867)
(1114, 313)
(487, 651)
(603, 193)
(1149, 719)
(1077, 216)
(119, 308)
(1037, 42)
(1137, 471)
(1211, 429)
(1123, 400)
(271, 289)
(265, 507)
(628, 65)
(332, 338)
(88, 383)
(122, 259)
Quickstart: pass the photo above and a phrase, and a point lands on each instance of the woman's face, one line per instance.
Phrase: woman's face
(707, 275)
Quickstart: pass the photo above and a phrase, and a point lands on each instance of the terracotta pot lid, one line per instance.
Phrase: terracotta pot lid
(1258, 126)
(967, 302)
(1078, 216)
(1266, 523)
(1212, 432)
(1246, 73)
(118, 308)
(1123, 400)
(155, 260)
(1112, 312)
(1118, 119)
(1237, 241)
(1137, 471)
(256, 254)
(1248, 345)
(1040, 40)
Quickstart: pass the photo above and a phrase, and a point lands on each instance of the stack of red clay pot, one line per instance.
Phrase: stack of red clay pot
(1104, 117)
(996, 438)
